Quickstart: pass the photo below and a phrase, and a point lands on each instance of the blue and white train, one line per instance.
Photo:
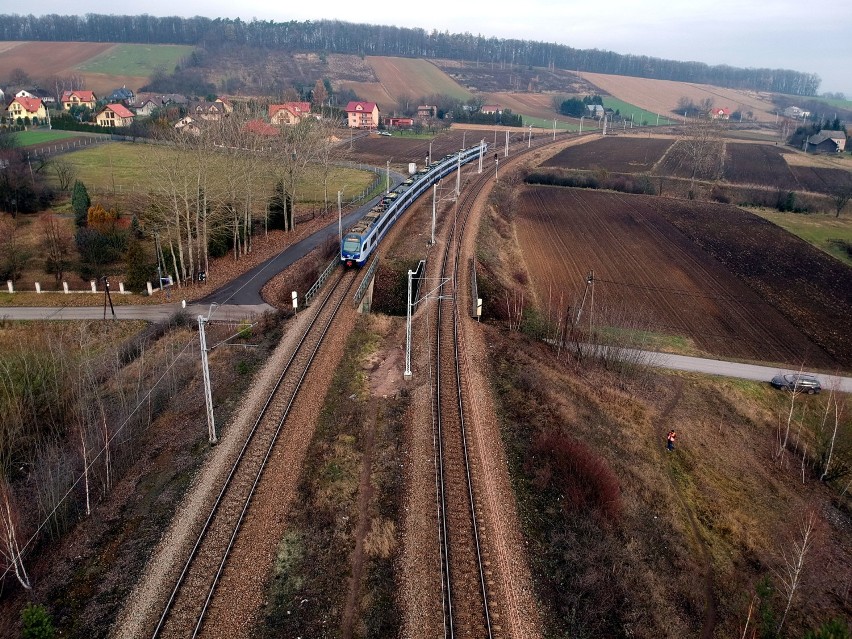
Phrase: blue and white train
(363, 238)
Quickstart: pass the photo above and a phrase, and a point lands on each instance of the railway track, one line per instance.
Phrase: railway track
(464, 574)
(184, 613)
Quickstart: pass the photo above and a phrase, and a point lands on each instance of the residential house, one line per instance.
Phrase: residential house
(123, 95)
(720, 113)
(595, 110)
(426, 111)
(400, 123)
(113, 115)
(42, 94)
(188, 125)
(491, 108)
(289, 112)
(796, 113)
(146, 107)
(78, 98)
(362, 115)
(826, 141)
(210, 111)
(22, 108)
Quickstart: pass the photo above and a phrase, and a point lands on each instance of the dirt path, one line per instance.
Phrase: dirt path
(709, 624)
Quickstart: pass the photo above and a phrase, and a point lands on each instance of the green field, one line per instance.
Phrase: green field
(826, 232)
(136, 59)
(639, 115)
(124, 167)
(30, 138)
(548, 124)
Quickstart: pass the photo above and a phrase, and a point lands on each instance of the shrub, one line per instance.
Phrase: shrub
(583, 481)
(36, 623)
(834, 629)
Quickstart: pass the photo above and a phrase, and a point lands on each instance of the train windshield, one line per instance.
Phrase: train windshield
(352, 243)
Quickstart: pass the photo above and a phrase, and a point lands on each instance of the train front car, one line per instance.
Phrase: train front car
(350, 250)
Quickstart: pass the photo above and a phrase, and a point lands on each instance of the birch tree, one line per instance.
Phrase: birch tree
(10, 547)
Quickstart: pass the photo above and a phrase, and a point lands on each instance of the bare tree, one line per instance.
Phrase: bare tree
(56, 242)
(65, 172)
(701, 143)
(10, 548)
(840, 197)
(793, 560)
(838, 414)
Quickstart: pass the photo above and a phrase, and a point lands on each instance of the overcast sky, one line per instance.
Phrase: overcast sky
(784, 34)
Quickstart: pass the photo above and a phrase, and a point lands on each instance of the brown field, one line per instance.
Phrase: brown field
(661, 96)
(758, 164)
(619, 154)
(401, 150)
(492, 78)
(45, 60)
(711, 273)
(372, 92)
(536, 105)
(412, 79)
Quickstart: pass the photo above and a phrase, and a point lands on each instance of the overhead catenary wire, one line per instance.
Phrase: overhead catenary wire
(91, 463)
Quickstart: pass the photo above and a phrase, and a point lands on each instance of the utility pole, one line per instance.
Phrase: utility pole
(107, 296)
(458, 175)
(481, 153)
(432, 243)
(506, 153)
(340, 217)
(407, 373)
(205, 369)
(387, 180)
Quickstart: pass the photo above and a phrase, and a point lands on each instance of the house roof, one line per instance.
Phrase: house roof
(358, 107)
(83, 96)
(259, 127)
(490, 107)
(296, 108)
(119, 109)
(31, 105)
(827, 134)
(121, 93)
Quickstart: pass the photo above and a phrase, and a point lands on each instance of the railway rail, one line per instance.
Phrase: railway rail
(184, 613)
(464, 581)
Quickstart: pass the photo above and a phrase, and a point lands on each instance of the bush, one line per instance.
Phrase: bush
(36, 623)
(834, 629)
(583, 481)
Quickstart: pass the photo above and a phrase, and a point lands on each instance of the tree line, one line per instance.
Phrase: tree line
(334, 36)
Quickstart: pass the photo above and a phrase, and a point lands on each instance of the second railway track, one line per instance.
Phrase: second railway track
(184, 613)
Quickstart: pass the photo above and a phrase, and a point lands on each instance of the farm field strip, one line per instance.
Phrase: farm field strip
(615, 154)
(645, 265)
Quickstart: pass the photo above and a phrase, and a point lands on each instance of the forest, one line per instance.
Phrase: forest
(332, 36)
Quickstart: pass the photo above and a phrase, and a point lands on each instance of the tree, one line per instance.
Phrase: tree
(56, 242)
(80, 202)
(10, 547)
(840, 197)
(320, 95)
(13, 255)
(64, 171)
(793, 560)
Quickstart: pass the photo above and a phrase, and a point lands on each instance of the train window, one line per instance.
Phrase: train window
(352, 244)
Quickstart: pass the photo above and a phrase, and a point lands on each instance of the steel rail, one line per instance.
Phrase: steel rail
(240, 456)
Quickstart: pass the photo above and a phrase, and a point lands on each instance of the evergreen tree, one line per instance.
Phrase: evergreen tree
(36, 623)
(80, 202)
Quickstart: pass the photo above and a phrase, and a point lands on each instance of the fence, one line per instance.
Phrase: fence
(320, 281)
(368, 277)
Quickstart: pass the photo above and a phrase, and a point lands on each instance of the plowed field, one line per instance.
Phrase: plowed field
(618, 154)
(721, 277)
(400, 150)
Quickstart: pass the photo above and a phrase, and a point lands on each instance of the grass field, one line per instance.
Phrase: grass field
(123, 167)
(29, 138)
(639, 115)
(136, 59)
(826, 232)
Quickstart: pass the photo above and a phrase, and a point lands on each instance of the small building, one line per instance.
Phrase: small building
(42, 94)
(595, 110)
(113, 115)
(188, 125)
(717, 113)
(400, 123)
(796, 113)
(146, 107)
(210, 111)
(826, 141)
(23, 108)
(491, 108)
(289, 112)
(362, 115)
(123, 95)
(426, 111)
(78, 98)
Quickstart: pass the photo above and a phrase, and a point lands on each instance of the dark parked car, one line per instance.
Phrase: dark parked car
(798, 382)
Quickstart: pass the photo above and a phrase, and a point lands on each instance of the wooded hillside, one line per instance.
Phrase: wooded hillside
(362, 39)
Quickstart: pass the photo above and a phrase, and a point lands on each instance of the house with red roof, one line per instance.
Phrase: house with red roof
(261, 128)
(22, 108)
(362, 115)
(78, 98)
(113, 115)
(722, 113)
(289, 112)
